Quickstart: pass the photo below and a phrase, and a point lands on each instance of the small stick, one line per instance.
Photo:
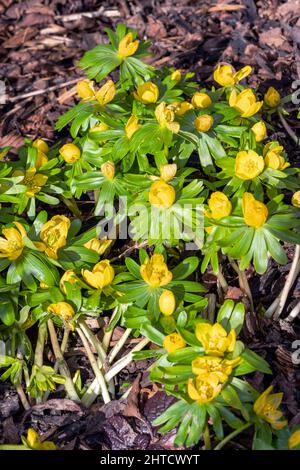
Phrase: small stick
(41, 92)
(289, 130)
(293, 314)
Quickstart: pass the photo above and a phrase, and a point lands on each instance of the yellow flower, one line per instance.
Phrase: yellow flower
(155, 271)
(41, 159)
(204, 388)
(214, 339)
(54, 235)
(255, 212)
(70, 153)
(108, 170)
(132, 126)
(32, 180)
(176, 75)
(34, 442)
(296, 199)
(173, 342)
(218, 366)
(165, 117)
(181, 108)
(219, 205)
(260, 131)
(168, 171)
(12, 244)
(201, 100)
(272, 97)
(106, 93)
(167, 303)
(85, 89)
(226, 76)
(101, 276)
(203, 123)
(147, 93)
(294, 439)
(273, 157)
(99, 246)
(68, 276)
(248, 165)
(127, 46)
(266, 408)
(62, 309)
(41, 145)
(99, 127)
(161, 195)
(245, 102)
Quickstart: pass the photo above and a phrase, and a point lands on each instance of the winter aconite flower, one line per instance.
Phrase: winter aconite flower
(173, 342)
(255, 212)
(219, 206)
(85, 89)
(218, 366)
(260, 131)
(97, 245)
(106, 93)
(168, 171)
(161, 195)
(54, 235)
(33, 441)
(245, 102)
(214, 339)
(204, 388)
(167, 303)
(32, 180)
(108, 170)
(147, 93)
(101, 276)
(132, 126)
(294, 439)
(12, 243)
(70, 153)
(155, 271)
(226, 76)
(127, 46)
(272, 97)
(266, 408)
(248, 165)
(203, 123)
(201, 100)
(181, 108)
(68, 276)
(176, 75)
(273, 157)
(165, 117)
(41, 145)
(62, 309)
(296, 199)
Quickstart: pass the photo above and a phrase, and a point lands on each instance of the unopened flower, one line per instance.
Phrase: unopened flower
(296, 199)
(147, 93)
(97, 245)
(176, 75)
(33, 441)
(214, 339)
(155, 271)
(182, 107)
(101, 276)
(255, 212)
(62, 309)
(226, 76)
(12, 242)
(203, 123)
(245, 102)
(99, 127)
(266, 408)
(41, 145)
(85, 89)
(294, 439)
(68, 276)
(32, 180)
(106, 93)
(260, 131)
(218, 366)
(204, 388)
(70, 153)
(219, 205)
(162, 195)
(168, 171)
(248, 164)
(272, 97)
(108, 169)
(127, 46)
(167, 303)
(173, 342)
(201, 100)
(41, 159)
(165, 117)
(54, 235)
(273, 157)
(132, 126)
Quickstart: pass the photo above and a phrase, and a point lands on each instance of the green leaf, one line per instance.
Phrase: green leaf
(7, 312)
(256, 361)
(153, 334)
(185, 268)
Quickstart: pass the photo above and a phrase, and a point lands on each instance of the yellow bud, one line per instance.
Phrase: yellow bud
(255, 212)
(62, 309)
(85, 89)
(101, 276)
(204, 123)
(106, 93)
(296, 199)
(173, 342)
(41, 145)
(294, 439)
(147, 93)
(127, 46)
(260, 131)
(162, 195)
(70, 153)
(182, 107)
(132, 126)
(272, 97)
(248, 165)
(167, 303)
(176, 75)
(32, 437)
(108, 170)
(168, 171)
(41, 159)
(201, 100)
(219, 205)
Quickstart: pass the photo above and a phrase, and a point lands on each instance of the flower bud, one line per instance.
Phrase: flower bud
(41, 145)
(272, 97)
(260, 131)
(167, 303)
(162, 195)
(168, 171)
(127, 46)
(97, 245)
(101, 276)
(201, 100)
(132, 126)
(62, 309)
(106, 93)
(255, 212)
(147, 93)
(70, 153)
(85, 89)
(173, 342)
(203, 123)
(219, 205)
(296, 199)
(108, 170)
(176, 75)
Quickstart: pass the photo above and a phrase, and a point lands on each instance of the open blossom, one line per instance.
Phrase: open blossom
(32, 180)
(214, 339)
(70, 153)
(85, 89)
(155, 271)
(204, 388)
(225, 75)
(260, 131)
(165, 117)
(266, 408)
(62, 309)
(106, 93)
(218, 366)
(127, 46)
(54, 235)
(147, 93)
(12, 242)
(201, 100)
(161, 195)
(245, 102)
(272, 97)
(248, 164)
(167, 303)
(173, 342)
(273, 157)
(108, 170)
(101, 275)
(255, 212)
(203, 123)
(97, 245)
(219, 206)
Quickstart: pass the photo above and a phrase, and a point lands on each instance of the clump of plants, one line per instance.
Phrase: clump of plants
(183, 176)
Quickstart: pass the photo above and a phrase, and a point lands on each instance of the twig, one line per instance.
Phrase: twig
(293, 314)
(295, 268)
(129, 250)
(289, 130)
(41, 92)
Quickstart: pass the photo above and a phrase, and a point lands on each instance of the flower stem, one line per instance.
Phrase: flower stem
(232, 435)
(93, 340)
(295, 268)
(118, 346)
(125, 360)
(39, 350)
(243, 281)
(22, 397)
(71, 204)
(206, 437)
(293, 314)
(108, 334)
(222, 281)
(287, 127)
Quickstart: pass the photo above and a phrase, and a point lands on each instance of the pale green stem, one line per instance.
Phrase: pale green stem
(206, 437)
(231, 436)
(295, 268)
(13, 447)
(118, 346)
(244, 285)
(71, 205)
(22, 397)
(39, 350)
(93, 340)
(222, 281)
(108, 334)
